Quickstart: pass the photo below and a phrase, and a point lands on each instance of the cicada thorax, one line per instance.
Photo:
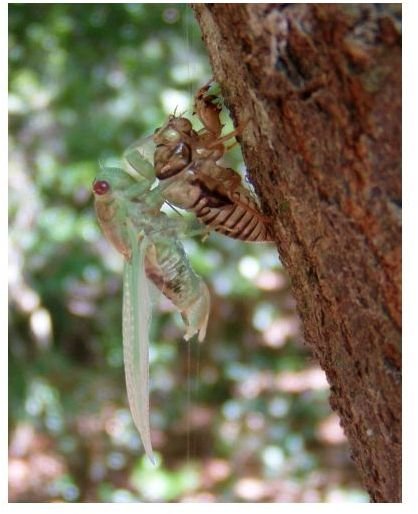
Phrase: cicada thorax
(186, 164)
(171, 160)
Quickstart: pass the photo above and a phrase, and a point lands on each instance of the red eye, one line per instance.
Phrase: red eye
(101, 187)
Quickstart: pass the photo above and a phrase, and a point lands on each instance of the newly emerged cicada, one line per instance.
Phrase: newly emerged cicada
(128, 206)
(129, 213)
(187, 165)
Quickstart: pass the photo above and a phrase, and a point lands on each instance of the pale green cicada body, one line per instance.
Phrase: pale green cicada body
(129, 212)
(181, 167)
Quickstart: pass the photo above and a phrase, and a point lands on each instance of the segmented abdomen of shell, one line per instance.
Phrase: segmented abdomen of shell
(240, 218)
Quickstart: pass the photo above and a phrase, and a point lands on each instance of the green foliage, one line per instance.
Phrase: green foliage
(237, 418)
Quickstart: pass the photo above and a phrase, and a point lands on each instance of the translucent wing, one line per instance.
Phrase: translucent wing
(138, 158)
(136, 320)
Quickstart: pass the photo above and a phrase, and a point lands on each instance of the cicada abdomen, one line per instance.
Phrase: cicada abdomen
(168, 267)
(235, 215)
(232, 212)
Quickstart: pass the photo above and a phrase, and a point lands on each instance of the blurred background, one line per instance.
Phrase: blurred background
(243, 416)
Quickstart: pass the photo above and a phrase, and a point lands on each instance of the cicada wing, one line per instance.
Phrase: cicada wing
(136, 322)
(138, 158)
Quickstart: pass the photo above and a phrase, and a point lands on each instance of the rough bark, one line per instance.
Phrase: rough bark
(320, 85)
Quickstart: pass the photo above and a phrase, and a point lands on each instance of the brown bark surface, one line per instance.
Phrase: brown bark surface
(321, 88)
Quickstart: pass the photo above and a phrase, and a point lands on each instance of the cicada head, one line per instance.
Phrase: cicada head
(182, 125)
(114, 183)
(174, 131)
(111, 182)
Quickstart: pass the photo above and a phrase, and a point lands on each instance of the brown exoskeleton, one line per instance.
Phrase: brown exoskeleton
(186, 163)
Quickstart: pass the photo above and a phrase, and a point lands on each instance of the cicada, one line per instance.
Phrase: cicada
(128, 206)
(129, 213)
(186, 162)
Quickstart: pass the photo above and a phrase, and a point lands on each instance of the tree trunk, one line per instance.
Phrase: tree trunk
(320, 87)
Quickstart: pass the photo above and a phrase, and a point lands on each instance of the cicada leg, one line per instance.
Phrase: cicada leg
(208, 111)
(236, 132)
(206, 234)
